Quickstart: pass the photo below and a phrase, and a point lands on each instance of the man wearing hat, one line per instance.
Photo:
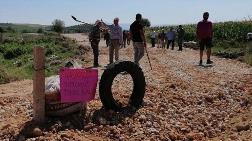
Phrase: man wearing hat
(94, 38)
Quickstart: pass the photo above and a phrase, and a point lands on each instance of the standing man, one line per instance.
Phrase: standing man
(107, 38)
(171, 35)
(94, 38)
(205, 35)
(162, 38)
(116, 37)
(181, 35)
(153, 38)
(139, 41)
(128, 38)
(124, 38)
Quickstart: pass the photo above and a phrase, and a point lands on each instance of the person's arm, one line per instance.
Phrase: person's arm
(91, 35)
(197, 32)
(211, 27)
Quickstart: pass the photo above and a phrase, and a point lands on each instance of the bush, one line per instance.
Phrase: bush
(40, 30)
(13, 53)
(58, 26)
(3, 76)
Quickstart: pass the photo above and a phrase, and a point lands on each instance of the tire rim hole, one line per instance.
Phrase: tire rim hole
(122, 88)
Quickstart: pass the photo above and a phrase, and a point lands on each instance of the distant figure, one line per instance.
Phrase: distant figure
(116, 37)
(128, 38)
(139, 41)
(171, 35)
(205, 35)
(124, 38)
(94, 38)
(181, 35)
(153, 38)
(162, 39)
(107, 38)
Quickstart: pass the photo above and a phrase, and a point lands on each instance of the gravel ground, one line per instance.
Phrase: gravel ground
(183, 101)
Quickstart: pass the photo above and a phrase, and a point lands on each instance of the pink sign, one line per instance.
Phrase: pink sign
(78, 85)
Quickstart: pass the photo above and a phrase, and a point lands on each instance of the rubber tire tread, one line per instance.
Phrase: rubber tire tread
(106, 82)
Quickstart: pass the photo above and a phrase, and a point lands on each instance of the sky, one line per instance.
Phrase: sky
(159, 12)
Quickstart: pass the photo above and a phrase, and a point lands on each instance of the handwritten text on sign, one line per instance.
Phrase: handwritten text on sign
(78, 85)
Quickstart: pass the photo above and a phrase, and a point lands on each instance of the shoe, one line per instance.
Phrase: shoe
(200, 63)
(209, 61)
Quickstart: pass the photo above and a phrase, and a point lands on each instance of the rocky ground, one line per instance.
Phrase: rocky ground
(183, 101)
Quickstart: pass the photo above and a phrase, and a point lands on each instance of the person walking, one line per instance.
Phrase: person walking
(162, 38)
(153, 38)
(107, 38)
(171, 35)
(128, 38)
(139, 41)
(94, 38)
(124, 38)
(181, 35)
(116, 37)
(205, 35)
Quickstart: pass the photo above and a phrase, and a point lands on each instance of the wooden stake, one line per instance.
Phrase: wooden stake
(39, 84)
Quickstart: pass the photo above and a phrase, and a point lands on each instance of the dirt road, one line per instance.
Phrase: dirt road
(183, 101)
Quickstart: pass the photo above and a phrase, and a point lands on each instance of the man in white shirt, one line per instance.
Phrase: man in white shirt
(116, 36)
(171, 35)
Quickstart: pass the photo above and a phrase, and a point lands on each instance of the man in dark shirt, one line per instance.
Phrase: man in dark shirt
(94, 38)
(181, 34)
(205, 35)
(139, 41)
(107, 38)
(124, 38)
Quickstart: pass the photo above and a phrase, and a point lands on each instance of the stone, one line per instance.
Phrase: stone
(36, 132)
(244, 127)
(142, 118)
(195, 136)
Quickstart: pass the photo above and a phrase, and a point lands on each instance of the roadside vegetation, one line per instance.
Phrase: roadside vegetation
(229, 38)
(16, 54)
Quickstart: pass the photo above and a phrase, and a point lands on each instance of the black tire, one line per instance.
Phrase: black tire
(107, 79)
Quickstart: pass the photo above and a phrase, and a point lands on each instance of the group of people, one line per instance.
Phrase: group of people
(115, 38)
(168, 38)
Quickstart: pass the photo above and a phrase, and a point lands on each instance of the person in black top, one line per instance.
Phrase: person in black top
(138, 38)
(124, 38)
(94, 38)
(107, 38)
(181, 35)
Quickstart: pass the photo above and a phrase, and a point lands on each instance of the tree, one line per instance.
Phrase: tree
(10, 29)
(146, 22)
(58, 26)
(1, 30)
(1, 34)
